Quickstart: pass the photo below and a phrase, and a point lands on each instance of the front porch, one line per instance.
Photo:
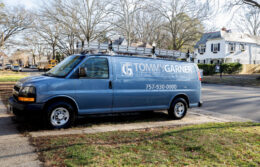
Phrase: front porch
(211, 61)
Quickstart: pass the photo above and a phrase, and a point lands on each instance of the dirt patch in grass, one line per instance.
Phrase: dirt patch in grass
(236, 80)
(228, 144)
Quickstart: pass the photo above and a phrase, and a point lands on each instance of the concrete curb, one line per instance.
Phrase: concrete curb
(191, 119)
(227, 117)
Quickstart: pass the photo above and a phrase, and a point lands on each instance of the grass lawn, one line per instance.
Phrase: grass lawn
(218, 144)
(9, 76)
(238, 80)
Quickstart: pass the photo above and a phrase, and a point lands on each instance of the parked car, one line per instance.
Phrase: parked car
(8, 66)
(16, 68)
(33, 67)
(95, 84)
(1, 67)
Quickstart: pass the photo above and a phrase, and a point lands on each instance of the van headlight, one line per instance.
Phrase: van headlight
(27, 94)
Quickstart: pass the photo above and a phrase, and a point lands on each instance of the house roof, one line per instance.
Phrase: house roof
(238, 37)
(205, 37)
(228, 35)
(118, 41)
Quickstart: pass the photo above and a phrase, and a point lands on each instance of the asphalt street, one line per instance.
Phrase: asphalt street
(233, 100)
(32, 72)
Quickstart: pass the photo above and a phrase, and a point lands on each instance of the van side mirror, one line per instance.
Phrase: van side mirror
(82, 72)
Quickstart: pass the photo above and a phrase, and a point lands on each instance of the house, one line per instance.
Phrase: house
(226, 46)
(4, 59)
(21, 57)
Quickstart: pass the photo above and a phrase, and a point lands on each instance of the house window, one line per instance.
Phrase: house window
(215, 47)
(202, 49)
(231, 47)
(242, 47)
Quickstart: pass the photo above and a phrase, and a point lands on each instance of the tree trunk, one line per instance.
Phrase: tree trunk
(53, 52)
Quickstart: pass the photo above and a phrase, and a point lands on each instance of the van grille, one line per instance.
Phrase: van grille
(16, 88)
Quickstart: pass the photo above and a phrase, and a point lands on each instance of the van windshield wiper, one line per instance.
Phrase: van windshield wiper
(48, 74)
(52, 75)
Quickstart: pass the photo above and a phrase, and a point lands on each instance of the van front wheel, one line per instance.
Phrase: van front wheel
(60, 115)
(178, 109)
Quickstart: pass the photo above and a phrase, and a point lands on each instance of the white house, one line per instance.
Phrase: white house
(227, 47)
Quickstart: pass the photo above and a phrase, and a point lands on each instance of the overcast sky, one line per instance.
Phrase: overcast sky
(221, 20)
(29, 4)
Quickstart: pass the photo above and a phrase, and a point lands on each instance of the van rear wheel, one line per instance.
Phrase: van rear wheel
(178, 109)
(60, 115)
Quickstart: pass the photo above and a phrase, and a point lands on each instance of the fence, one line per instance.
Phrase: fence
(250, 68)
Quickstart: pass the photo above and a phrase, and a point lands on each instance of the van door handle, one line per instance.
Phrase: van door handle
(110, 84)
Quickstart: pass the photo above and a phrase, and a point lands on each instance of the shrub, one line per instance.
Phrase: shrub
(228, 68)
(208, 69)
(231, 68)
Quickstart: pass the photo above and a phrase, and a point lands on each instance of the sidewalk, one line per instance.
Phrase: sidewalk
(15, 148)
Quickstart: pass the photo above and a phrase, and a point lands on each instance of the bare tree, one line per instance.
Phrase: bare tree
(84, 18)
(182, 20)
(12, 22)
(250, 3)
(48, 32)
(35, 44)
(124, 12)
(147, 25)
(249, 21)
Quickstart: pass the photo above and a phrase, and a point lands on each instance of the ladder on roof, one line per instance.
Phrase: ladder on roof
(130, 50)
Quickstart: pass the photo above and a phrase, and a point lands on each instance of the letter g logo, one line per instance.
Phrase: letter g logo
(127, 69)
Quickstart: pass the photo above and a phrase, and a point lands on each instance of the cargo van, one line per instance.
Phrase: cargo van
(95, 84)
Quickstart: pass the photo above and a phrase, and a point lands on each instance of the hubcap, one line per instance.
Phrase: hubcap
(59, 116)
(179, 109)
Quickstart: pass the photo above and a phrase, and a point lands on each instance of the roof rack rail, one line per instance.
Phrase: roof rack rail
(130, 50)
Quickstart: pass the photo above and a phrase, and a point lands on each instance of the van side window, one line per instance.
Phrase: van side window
(96, 68)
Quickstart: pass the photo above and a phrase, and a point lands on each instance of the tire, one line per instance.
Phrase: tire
(16, 112)
(60, 115)
(178, 109)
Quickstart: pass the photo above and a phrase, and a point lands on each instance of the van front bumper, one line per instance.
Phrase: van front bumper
(21, 109)
(200, 104)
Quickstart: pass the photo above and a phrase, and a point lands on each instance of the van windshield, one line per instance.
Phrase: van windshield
(65, 66)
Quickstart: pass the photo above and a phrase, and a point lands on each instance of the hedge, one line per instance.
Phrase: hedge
(208, 69)
(228, 68)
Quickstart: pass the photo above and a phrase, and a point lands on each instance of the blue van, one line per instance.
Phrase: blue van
(92, 84)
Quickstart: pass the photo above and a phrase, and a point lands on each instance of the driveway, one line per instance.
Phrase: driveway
(232, 100)
(15, 148)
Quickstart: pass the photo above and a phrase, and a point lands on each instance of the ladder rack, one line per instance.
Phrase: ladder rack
(130, 50)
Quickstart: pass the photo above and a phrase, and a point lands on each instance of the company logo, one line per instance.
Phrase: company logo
(127, 69)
